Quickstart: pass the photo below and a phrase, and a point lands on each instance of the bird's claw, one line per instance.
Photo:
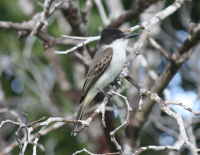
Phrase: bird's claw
(107, 95)
(115, 83)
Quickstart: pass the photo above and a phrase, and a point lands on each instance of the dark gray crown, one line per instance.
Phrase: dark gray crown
(109, 35)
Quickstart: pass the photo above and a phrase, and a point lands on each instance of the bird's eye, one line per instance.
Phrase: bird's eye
(115, 36)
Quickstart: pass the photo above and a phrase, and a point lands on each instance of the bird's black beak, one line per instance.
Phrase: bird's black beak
(128, 36)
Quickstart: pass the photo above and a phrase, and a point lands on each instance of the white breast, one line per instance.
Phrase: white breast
(119, 57)
(116, 64)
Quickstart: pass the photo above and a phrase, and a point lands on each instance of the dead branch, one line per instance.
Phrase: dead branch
(184, 138)
(124, 124)
(32, 126)
(158, 47)
(163, 81)
(85, 150)
(132, 13)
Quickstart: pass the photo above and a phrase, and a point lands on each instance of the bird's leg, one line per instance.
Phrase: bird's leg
(107, 95)
(116, 83)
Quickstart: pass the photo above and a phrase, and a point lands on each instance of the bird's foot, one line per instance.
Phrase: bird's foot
(107, 95)
(116, 83)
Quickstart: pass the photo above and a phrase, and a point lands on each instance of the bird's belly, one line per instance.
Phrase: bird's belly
(112, 71)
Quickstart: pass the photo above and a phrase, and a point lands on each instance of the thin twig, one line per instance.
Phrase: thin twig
(197, 113)
(158, 47)
(43, 18)
(160, 126)
(56, 6)
(102, 12)
(90, 39)
(176, 116)
(85, 150)
(125, 123)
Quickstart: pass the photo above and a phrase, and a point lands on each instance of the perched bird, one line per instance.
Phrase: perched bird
(106, 65)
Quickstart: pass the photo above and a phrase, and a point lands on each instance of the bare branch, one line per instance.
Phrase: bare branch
(10, 121)
(80, 25)
(86, 11)
(78, 38)
(47, 130)
(125, 123)
(100, 109)
(85, 150)
(12, 112)
(17, 138)
(190, 42)
(36, 140)
(140, 104)
(158, 47)
(132, 13)
(28, 26)
(38, 3)
(43, 19)
(72, 14)
(90, 39)
(163, 128)
(178, 118)
(197, 113)
(164, 79)
(147, 25)
(56, 6)
(156, 148)
(102, 12)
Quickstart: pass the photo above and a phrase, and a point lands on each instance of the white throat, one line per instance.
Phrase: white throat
(119, 44)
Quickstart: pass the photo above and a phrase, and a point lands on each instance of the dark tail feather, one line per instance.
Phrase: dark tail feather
(78, 117)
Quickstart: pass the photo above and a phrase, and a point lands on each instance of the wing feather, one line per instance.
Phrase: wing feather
(99, 65)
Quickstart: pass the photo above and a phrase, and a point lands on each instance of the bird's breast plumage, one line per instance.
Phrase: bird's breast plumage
(116, 64)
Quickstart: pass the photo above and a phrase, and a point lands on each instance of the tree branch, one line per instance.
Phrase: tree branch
(132, 13)
(161, 83)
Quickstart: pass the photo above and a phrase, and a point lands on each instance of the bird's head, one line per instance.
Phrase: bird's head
(109, 35)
